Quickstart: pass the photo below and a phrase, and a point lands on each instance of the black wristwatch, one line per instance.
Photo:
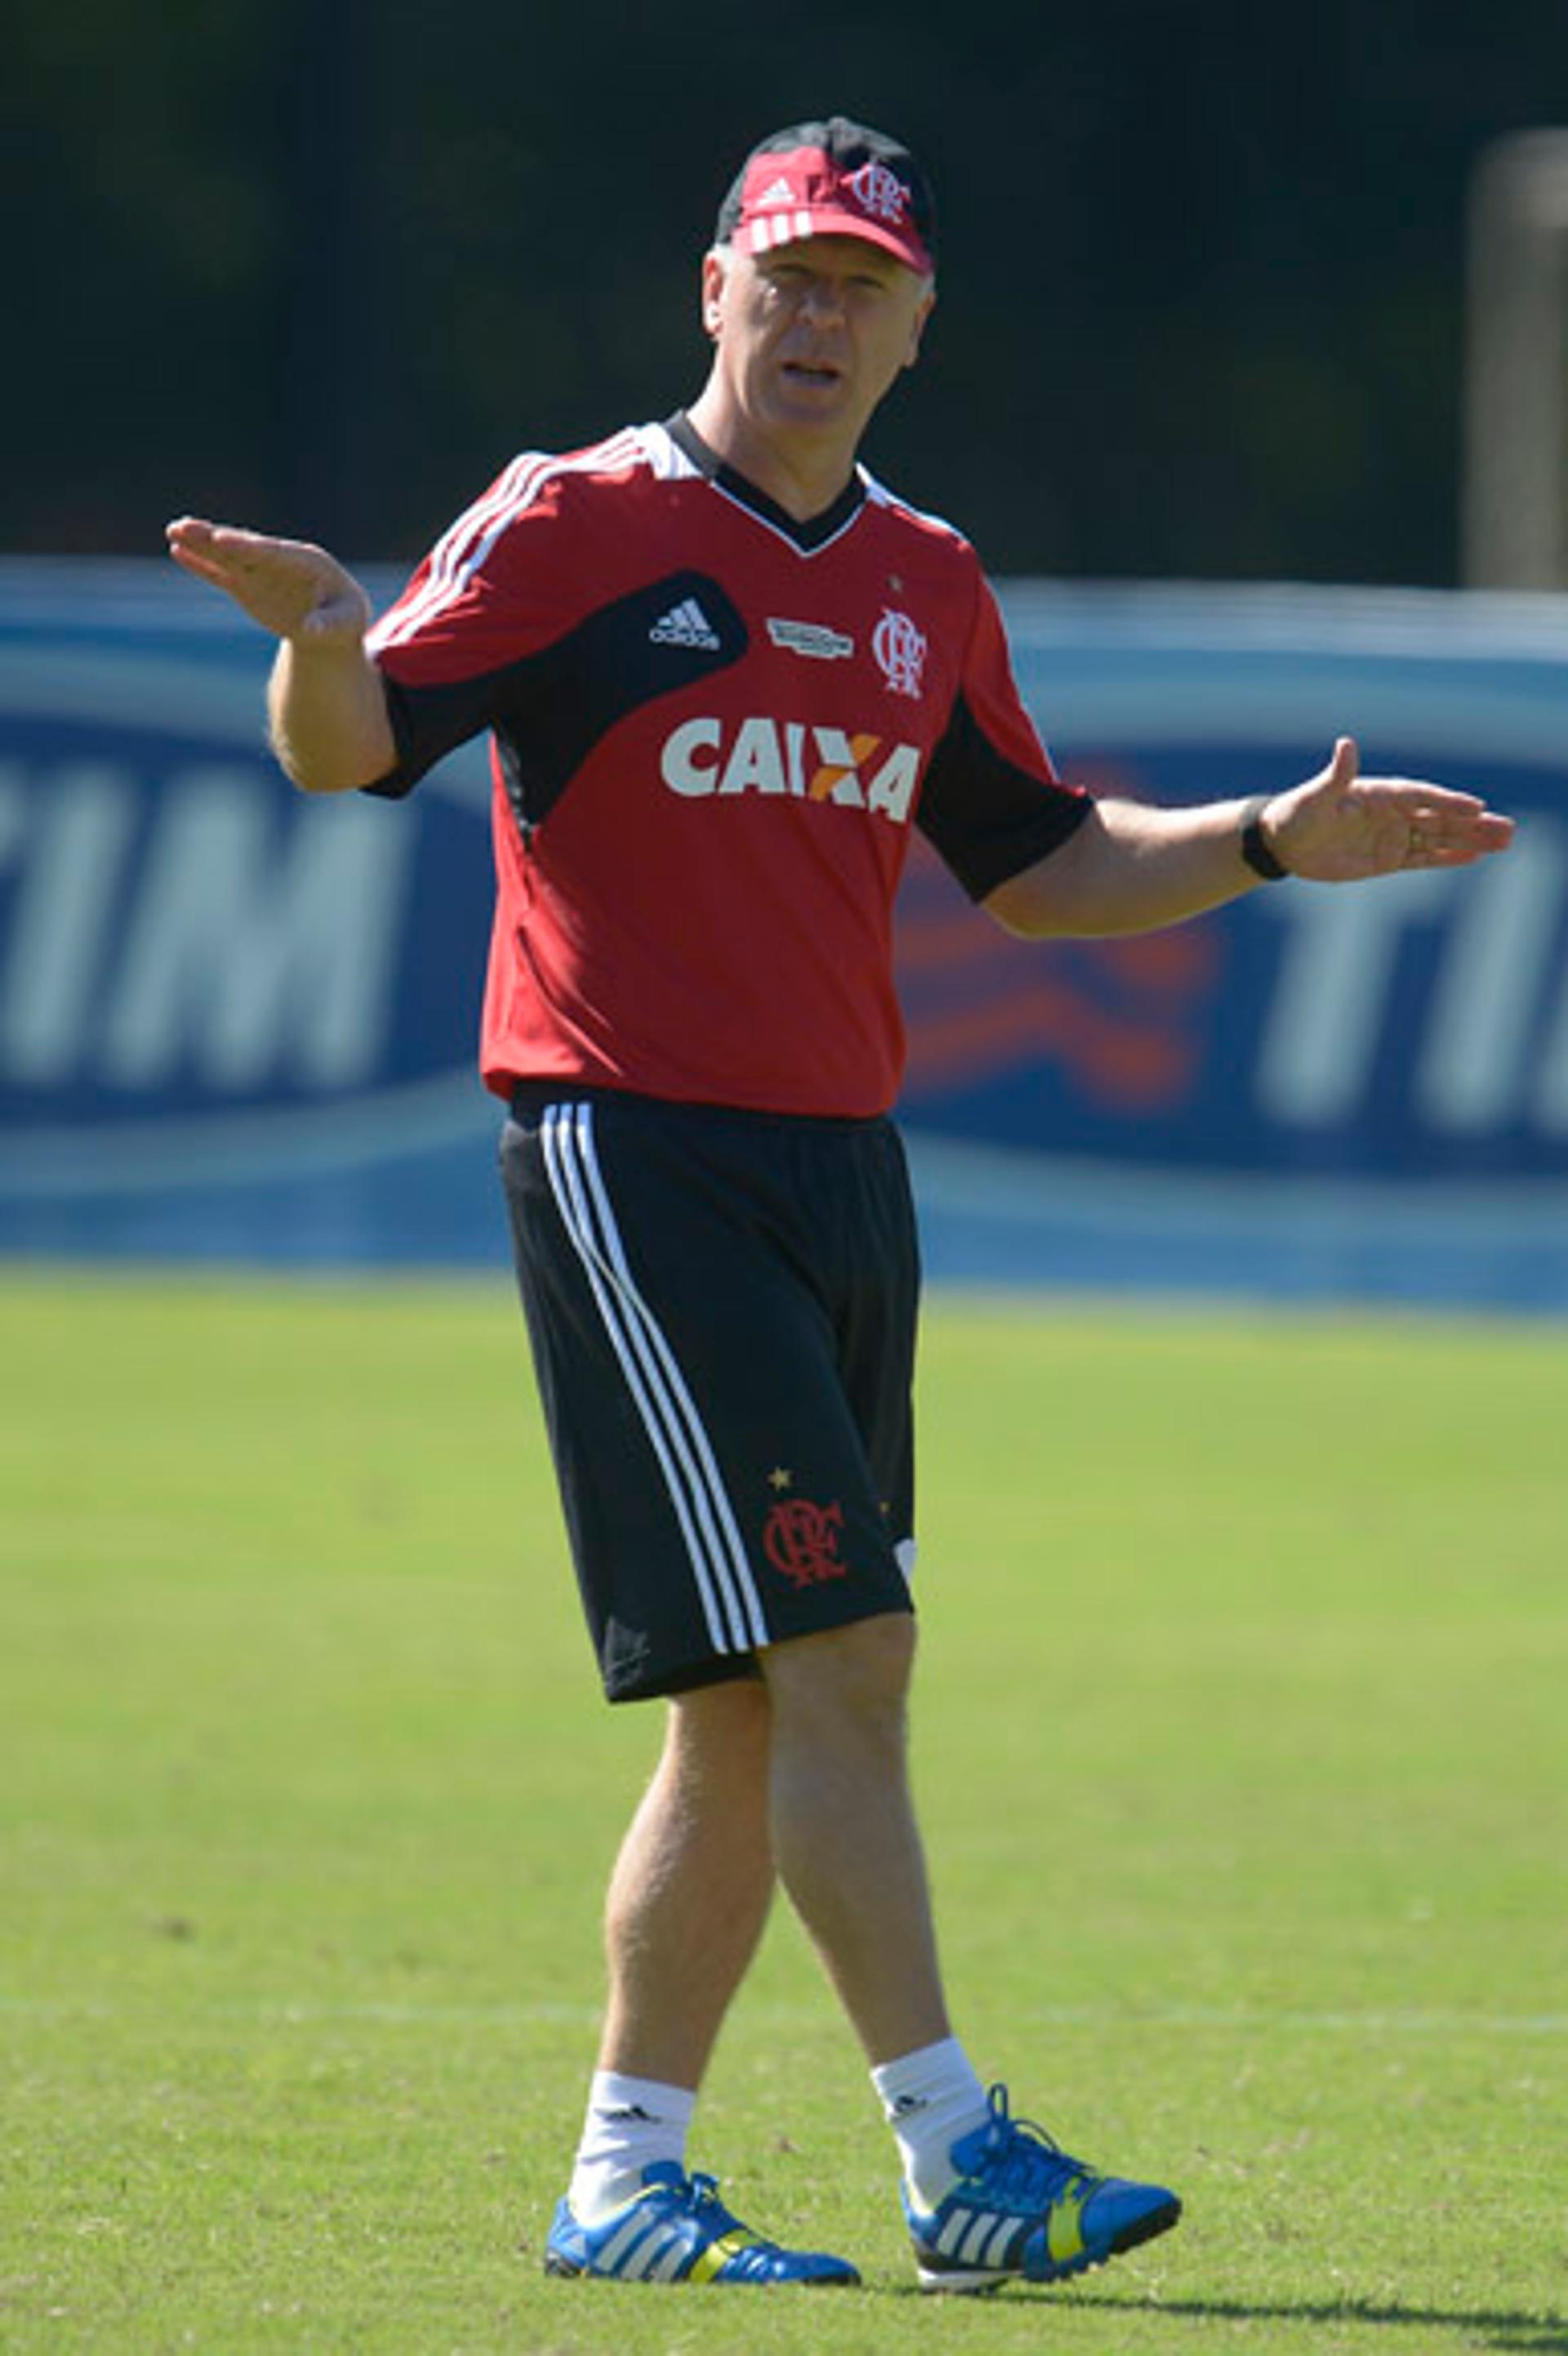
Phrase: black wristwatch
(1255, 849)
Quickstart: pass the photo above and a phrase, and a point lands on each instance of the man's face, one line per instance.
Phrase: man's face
(811, 335)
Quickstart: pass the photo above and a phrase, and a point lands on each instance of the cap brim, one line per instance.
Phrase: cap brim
(789, 228)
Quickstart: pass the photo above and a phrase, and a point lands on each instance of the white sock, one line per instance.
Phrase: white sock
(630, 2122)
(929, 2098)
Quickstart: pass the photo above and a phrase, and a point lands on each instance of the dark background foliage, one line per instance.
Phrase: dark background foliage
(323, 265)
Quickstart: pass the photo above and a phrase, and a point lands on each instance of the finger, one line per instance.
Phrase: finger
(188, 535)
(233, 545)
(1441, 802)
(1459, 854)
(1434, 815)
(204, 548)
(1450, 841)
(194, 530)
(1346, 764)
(1418, 798)
(224, 568)
(194, 560)
(1486, 830)
(199, 531)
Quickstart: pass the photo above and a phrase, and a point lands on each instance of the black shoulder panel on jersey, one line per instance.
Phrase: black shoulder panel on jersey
(549, 710)
(987, 818)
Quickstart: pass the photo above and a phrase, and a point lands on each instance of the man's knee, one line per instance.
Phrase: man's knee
(861, 1671)
(720, 1729)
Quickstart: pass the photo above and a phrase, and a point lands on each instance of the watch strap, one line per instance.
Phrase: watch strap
(1255, 849)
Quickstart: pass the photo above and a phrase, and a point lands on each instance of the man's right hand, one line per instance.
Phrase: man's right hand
(326, 704)
(293, 588)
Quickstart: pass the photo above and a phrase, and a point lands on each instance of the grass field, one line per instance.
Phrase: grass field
(1243, 1743)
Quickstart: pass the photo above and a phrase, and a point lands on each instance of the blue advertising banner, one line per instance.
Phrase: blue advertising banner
(238, 1022)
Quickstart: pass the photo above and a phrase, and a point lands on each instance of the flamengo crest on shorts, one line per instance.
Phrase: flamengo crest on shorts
(801, 1540)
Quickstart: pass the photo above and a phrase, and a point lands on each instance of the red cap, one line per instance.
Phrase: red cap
(832, 179)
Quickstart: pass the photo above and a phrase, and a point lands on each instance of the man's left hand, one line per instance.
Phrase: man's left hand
(1340, 827)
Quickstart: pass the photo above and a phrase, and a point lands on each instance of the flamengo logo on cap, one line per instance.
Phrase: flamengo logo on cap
(900, 647)
(880, 193)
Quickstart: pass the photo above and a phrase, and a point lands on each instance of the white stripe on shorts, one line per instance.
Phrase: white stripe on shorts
(731, 1608)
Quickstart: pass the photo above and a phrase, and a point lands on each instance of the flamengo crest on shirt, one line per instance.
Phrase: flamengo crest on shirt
(788, 756)
(900, 647)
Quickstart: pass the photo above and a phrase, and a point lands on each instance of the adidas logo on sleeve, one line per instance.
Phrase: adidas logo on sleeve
(685, 625)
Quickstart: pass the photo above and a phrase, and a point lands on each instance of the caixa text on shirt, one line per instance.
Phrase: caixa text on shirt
(862, 771)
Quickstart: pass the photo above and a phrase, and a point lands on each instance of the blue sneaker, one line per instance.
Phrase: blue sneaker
(1021, 2207)
(678, 2230)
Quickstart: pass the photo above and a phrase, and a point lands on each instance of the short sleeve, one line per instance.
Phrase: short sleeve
(492, 591)
(991, 803)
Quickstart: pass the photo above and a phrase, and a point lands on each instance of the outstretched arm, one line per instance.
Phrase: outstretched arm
(1131, 868)
(326, 708)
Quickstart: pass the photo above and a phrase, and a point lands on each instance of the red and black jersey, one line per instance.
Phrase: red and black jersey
(713, 729)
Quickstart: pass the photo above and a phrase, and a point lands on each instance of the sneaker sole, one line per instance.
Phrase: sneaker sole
(556, 2264)
(568, 2270)
(976, 2282)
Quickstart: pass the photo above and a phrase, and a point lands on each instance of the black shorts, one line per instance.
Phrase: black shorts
(722, 1309)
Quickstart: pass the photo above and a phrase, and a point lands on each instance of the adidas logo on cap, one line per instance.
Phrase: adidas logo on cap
(685, 625)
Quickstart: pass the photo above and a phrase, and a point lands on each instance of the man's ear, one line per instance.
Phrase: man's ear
(927, 305)
(715, 272)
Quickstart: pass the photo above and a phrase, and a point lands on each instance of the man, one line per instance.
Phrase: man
(727, 672)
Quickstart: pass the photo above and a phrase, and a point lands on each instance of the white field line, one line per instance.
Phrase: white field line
(282, 2013)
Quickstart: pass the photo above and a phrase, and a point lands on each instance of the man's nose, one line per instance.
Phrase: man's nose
(823, 299)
